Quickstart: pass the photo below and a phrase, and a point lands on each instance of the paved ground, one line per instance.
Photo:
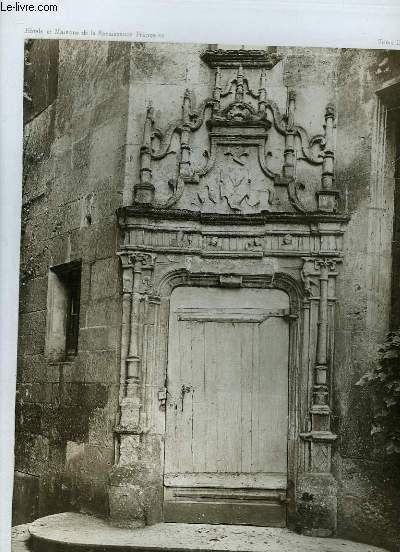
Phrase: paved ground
(70, 528)
(19, 537)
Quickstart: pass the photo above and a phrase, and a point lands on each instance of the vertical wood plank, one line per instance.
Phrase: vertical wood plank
(247, 369)
(256, 407)
(227, 408)
(211, 386)
(183, 452)
(273, 425)
(200, 410)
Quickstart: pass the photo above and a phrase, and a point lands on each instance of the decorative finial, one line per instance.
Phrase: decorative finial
(262, 92)
(239, 84)
(330, 110)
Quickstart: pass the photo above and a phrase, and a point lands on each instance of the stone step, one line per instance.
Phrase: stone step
(71, 532)
(20, 538)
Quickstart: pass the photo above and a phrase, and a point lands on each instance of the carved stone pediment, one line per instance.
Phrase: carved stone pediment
(231, 170)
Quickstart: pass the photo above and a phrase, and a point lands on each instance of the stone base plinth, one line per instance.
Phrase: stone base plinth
(316, 505)
(135, 496)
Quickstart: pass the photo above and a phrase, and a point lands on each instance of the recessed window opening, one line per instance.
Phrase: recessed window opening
(63, 310)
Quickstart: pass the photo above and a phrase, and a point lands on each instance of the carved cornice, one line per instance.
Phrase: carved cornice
(160, 213)
(234, 58)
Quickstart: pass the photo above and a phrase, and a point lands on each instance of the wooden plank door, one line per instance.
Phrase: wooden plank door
(227, 407)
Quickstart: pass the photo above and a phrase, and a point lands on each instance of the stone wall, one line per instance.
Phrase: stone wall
(73, 179)
(76, 176)
(369, 486)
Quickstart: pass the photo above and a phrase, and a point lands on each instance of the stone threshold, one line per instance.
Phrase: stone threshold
(82, 533)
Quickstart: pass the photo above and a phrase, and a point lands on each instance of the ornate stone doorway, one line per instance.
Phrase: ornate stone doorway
(227, 406)
(234, 198)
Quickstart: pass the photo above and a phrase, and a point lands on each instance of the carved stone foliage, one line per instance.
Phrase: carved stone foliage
(231, 172)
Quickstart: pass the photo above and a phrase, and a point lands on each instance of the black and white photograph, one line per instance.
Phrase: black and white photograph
(209, 304)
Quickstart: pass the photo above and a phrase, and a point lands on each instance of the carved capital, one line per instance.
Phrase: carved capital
(312, 267)
(309, 277)
(125, 258)
(130, 258)
(127, 274)
(142, 260)
(329, 263)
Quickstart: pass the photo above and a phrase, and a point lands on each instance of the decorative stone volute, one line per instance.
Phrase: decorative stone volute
(239, 120)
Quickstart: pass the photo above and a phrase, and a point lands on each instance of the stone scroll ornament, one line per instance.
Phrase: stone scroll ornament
(234, 176)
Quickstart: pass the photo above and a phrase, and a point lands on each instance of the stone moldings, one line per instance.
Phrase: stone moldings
(219, 204)
(247, 58)
(230, 172)
(164, 248)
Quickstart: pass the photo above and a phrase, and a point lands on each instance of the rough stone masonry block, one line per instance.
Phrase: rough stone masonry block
(125, 506)
(135, 495)
(110, 109)
(367, 498)
(102, 367)
(104, 312)
(32, 368)
(31, 453)
(98, 339)
(104, 280)
(25, 498)
(316, 503)
(33, 295)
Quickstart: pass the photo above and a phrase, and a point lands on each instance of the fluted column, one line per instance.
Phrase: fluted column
(141, 268)
(327, 195)
(217, 91)
(184, 165)
(239, 93)
(144, 189)
(288, 166)
(317, 273)
(262, 93)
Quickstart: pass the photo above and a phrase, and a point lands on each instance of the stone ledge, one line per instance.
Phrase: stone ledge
(71, 531)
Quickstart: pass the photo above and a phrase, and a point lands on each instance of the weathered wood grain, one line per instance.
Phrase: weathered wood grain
(227, 406)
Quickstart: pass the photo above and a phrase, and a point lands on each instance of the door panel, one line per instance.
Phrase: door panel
(227, 404)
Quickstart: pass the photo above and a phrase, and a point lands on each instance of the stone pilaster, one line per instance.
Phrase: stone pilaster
(316, 487)
(128, 502)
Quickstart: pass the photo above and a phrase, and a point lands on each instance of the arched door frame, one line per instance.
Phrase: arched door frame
(280, 281)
